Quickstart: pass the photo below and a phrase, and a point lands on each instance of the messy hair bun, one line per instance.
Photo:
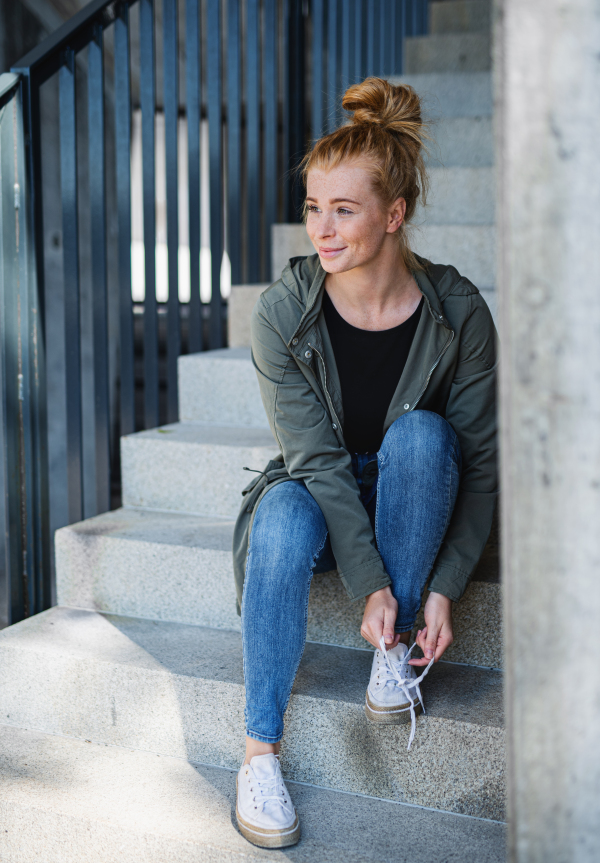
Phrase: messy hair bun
(386, 130)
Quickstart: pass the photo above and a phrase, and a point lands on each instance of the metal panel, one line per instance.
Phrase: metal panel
(123, 176)
(98, 268)
(234, 143)
(318, 53)
(68, 183)
(253, 202)
(215, 158)
(270, 172)
(192, 97)
(148, 103)
(171, 100)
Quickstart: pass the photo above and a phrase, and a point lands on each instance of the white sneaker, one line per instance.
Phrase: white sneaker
(393, 693)
(264, 810)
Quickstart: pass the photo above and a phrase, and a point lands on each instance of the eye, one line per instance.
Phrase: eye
(312, 208)
(344, 211)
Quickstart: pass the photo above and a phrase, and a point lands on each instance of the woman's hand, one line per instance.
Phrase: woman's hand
(380, 618)
(437, 635)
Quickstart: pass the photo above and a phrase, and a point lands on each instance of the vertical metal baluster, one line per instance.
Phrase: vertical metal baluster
(28, 128)
(148, 103)
(383, 21)
(424, 17)
(413, 17)
(270, 172)
(332, 65)
(171, 99)
(318, 50)
(392, 36)
(296, 62)
(123, 174)
(98, 268)
(347, 12)
(215, 109)
(253, 140)
(401, 19)
(68, 183)
(234, 148)
(370, 38)
(192, 96)
(359, 41)
(285, 110)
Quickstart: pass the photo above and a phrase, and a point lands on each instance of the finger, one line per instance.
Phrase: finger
(431, 642)
(389, 620)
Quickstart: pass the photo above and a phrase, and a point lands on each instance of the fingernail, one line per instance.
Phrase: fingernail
(429, 654)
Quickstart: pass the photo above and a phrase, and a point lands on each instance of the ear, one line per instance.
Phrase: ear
(396, 216)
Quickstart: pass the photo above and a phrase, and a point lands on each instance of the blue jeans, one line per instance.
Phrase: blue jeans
(408, 490)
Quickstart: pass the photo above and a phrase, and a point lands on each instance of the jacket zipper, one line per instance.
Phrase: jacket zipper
(432, 369)
(331, 407)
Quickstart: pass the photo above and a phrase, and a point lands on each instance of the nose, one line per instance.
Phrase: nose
(325, 228)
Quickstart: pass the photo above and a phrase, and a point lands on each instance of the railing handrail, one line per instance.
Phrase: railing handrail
(76, 33)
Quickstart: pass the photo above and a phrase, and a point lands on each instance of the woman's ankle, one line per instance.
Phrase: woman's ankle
(259, 747)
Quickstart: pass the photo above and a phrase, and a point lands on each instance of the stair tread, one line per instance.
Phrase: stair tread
(455, 692)
(204, 434)
(99, 803)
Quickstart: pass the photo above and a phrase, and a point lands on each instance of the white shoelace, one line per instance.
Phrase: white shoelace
(272, 788)
(405, 683)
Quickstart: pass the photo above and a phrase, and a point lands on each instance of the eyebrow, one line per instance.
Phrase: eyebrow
(337, 200)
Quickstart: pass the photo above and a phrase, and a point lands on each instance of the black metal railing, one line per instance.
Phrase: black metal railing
(262, 78)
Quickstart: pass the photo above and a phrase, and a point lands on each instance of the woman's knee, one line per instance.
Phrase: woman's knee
(421, 435)
(289, 526)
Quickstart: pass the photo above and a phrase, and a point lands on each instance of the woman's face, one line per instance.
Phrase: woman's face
(346, 220)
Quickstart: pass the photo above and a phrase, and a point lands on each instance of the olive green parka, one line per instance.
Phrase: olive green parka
(451, 370)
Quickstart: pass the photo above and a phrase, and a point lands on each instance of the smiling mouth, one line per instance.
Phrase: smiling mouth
(325, 251)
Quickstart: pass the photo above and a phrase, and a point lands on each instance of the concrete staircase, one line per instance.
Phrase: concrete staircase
(121, 710)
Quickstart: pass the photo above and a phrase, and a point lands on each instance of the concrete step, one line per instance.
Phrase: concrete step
(190, 467)
(178, 690)
(220, 387)
(167, 566)
(469, 248)
(460, 16)
(452, 94)
(66, 801)
(459, 196)
(448, 52)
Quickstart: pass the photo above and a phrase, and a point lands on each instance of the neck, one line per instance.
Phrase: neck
(377, 295)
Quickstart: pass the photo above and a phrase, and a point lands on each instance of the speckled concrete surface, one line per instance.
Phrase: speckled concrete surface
(189, 467)
(469, 248)
(159, 565)
(172, 566)
(178, 690)
(65, 801)
(448, 52)
(220, 387)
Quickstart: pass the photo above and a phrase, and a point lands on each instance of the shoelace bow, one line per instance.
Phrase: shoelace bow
(272, 788)
(399, 675)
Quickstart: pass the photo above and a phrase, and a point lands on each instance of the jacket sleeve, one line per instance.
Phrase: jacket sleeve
(471, 411)
(312, 452)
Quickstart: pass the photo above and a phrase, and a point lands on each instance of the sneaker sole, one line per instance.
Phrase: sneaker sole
(389, 715)
(268, 838)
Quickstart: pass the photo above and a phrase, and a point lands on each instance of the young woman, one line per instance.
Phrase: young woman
(377, 373)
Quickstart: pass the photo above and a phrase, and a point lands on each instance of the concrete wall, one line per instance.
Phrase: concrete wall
(548, 99)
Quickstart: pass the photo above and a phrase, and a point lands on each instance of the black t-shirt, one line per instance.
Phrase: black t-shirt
(369, 364)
